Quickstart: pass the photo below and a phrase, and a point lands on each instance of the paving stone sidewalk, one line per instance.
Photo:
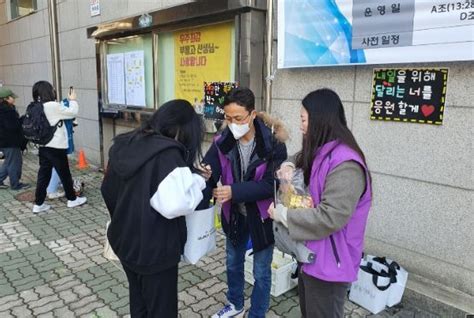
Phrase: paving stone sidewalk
(51, 264)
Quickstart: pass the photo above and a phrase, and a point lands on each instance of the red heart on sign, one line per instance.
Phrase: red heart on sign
(386, 83)
(427, 110)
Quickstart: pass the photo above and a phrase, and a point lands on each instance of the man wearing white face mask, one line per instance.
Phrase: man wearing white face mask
(242, 158)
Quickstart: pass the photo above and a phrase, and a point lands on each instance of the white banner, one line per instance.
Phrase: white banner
(344, 32)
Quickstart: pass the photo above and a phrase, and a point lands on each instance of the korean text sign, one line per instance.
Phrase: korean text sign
(409, 95)
(201, 55)
(214, 94)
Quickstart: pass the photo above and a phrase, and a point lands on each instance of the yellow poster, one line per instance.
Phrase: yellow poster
(201, 55)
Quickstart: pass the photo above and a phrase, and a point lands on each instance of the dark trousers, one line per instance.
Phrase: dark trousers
(153, 295)
(321, 299)
(50, 158)
(11, 167)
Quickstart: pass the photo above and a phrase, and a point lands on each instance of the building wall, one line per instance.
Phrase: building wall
(25, 55)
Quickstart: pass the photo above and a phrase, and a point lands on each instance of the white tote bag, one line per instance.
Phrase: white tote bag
(371, 290)
(201, 235)
(108, 252)
(396, 288)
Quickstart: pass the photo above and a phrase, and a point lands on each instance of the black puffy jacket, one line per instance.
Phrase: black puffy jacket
(11, 133)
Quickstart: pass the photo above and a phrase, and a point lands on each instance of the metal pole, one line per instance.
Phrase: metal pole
(54, 42)
(268, 58)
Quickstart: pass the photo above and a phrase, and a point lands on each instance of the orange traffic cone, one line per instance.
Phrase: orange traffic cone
(81, 160)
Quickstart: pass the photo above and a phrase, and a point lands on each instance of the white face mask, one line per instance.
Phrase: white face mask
(239, 130)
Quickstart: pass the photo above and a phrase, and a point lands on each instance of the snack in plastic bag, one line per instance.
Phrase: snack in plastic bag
(292, 192)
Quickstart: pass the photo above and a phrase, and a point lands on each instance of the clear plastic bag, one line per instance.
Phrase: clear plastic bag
(292, 192)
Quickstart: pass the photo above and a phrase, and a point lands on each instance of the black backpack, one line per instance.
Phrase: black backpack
(36, 127)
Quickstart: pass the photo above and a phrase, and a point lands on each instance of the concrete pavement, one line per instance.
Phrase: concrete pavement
(51, 264)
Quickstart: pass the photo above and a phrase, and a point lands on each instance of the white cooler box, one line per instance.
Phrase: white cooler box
(283, 266)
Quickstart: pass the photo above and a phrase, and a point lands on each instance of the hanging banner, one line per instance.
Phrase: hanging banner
(409, 95)
(201, 55)
(344, 32)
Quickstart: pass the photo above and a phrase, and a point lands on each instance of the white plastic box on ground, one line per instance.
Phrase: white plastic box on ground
(283, 266)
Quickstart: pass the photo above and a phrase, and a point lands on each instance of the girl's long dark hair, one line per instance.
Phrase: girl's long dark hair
(44, 92)
(177, 119)
(326, 122)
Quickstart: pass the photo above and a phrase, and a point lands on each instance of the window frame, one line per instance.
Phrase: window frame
(9, 7)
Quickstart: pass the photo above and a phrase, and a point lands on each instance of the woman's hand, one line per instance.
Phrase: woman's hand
(279, 213)
(205, 171)
(223, 193)
(285, 175)
(72, 95)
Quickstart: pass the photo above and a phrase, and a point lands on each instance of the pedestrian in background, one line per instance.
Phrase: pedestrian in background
(243, 157)
(12, 141)
(339, 182)
(150, 185)
(53, 154)
(52, 189)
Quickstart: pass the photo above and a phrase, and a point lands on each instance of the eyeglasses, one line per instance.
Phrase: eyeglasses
(236, 119)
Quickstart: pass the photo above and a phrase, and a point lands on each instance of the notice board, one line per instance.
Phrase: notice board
(415, 95)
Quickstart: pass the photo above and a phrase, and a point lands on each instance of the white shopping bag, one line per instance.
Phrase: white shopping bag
(372, 288)
(108, 252)
(398, 287)
(201, 235)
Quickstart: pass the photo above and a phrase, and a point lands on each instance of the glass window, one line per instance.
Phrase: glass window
(129, 72)
(20, 8)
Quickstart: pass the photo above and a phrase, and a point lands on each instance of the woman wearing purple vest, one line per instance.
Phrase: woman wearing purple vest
(339, 182)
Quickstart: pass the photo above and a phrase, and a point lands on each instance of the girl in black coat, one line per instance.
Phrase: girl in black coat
(150, 185)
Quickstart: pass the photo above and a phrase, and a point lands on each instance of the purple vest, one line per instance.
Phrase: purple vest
(348, 241)
(227, 179)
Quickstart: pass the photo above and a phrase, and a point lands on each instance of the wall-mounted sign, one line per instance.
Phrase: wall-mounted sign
(214, 94)
(145, 20)
(201, 54)
(341, 32)
(95, 8)
(409, 95)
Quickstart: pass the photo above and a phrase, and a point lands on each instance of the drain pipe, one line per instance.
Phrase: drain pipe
(54, 42)
(268, 58)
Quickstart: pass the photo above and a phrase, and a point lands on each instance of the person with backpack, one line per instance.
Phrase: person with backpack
(12, 141)
(52, 152)
(52, 189)
(335, 170)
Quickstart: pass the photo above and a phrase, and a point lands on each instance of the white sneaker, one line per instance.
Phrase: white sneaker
(229, 311)
(41, 208)
(55, 195)
(79, 201)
